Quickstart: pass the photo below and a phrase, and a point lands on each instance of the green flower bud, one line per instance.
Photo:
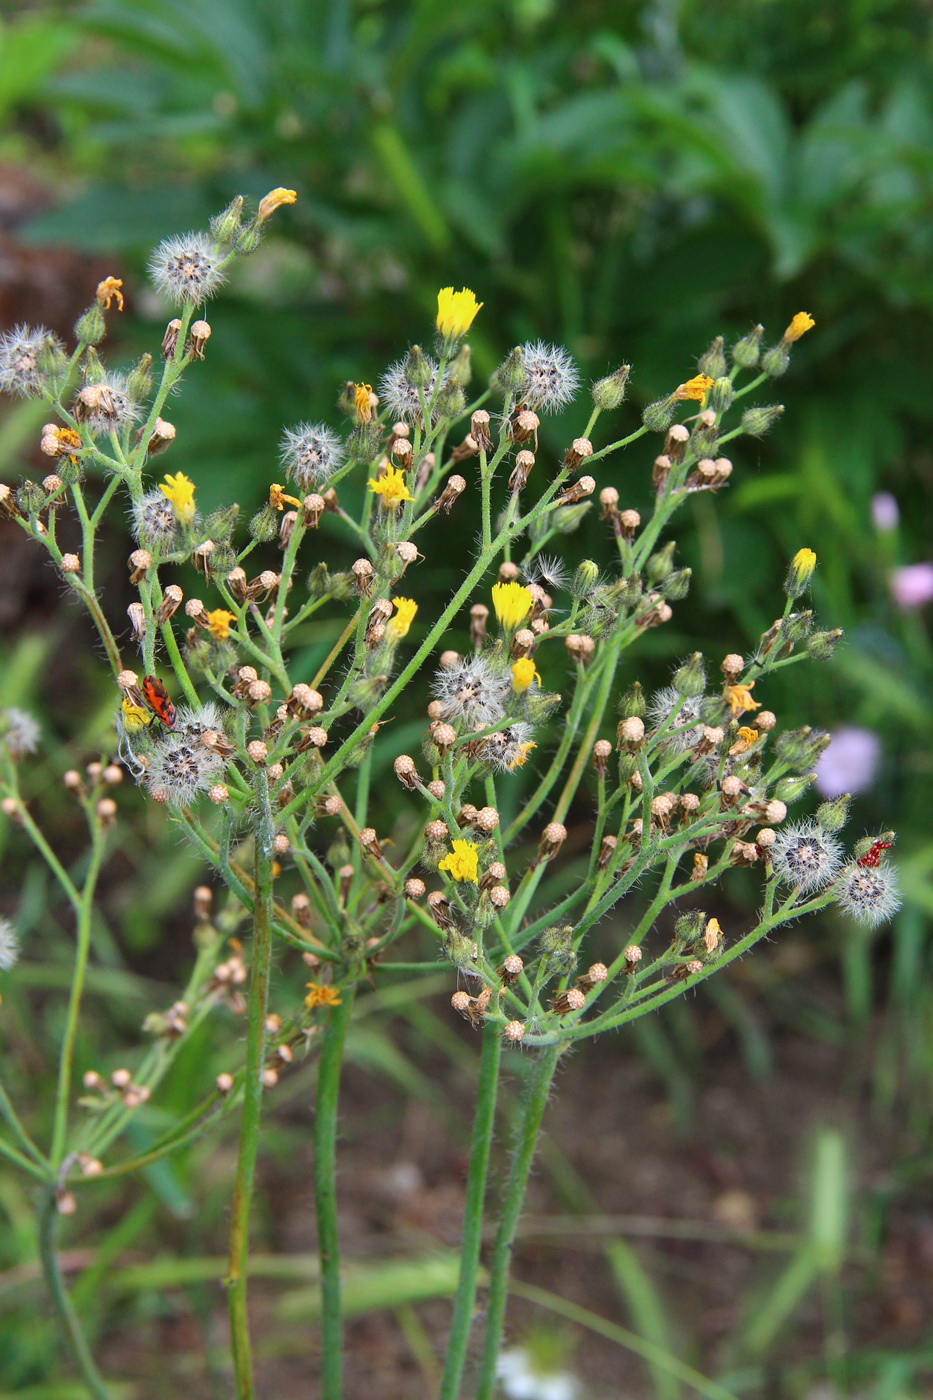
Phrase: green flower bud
(139, 382)
(460, 370)
(451, 400)
(689, 926)
(346, 399)
(556, 946)
(745, 352)
(632, 705)
(584, 579)
(714, 711)
(800, 748)
(832, 816)
(226, 225)
(223, 559)
(758, 421)
(364, 442)
(713, 360)
(690, 678)
(264, 525)
(71, 472)
(721, 395)
(30, 498)
(797, 626)
(510, 376)
(659, 416)
(220, 524)
(94, 370)
(566, 519)
(788, 790)
(704, 440)
(609, 393)
(250, 237)
(660, 564)
(460, 950)
(822, 645)
(91, 328)
(417, 368)
(676, 585)
(775, 360)
(864, 844)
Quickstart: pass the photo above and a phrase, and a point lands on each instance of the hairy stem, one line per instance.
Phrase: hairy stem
(325, 1194)
(67, 1317)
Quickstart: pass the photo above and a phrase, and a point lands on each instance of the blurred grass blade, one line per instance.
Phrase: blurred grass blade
(648, 1311)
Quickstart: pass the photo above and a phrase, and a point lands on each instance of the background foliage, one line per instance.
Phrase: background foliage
(624, 179)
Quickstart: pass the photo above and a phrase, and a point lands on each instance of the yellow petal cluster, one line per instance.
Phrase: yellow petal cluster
(278, 499)
(799, 326)
(179, 491)
(320, 994)
(391, 488)
(107, 291)
(456, 312)
(362, 402)
(523, 673)
(512, 603)
(405, 609)
(740, 698)
(274, 200)
(135, 717)
(519, 760)
(463, 862)
(696, 388)
(218, 623)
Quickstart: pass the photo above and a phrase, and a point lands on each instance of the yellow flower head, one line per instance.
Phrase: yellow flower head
(135, 717)
(512, 603)
(740, 698)
(391, 488)
(799, 326)
(218, 623)
(523, 673)
(320, 994)
(278, 499)
(180, 492)
(397, 626)
(462, 863)
(519, 760)
(800, 573)
(744, 740)
(362, 402)
(272, 201)
(107, 290)
(696, 388)
(456, 312)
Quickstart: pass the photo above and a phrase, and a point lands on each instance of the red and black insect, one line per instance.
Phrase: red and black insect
(873, 854)
(158, 701)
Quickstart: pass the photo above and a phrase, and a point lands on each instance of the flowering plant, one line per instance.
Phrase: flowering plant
(266, 770)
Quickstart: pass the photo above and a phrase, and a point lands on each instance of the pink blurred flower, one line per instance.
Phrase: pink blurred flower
(849, 762)
(912, 586)
(885, 514)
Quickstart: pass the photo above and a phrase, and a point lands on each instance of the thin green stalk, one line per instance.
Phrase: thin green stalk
(529, 1125)
(85, 922)
(325, 1193)
(480, 1146)
(252, 1101)
(19, 1132)
(67, 1318)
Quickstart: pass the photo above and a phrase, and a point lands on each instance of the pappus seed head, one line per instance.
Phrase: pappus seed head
(106, 405)
(474, 691)
(19, 732)
(191, 723)
(310, 454)
(187, 268)
(805, 855)
(684, 730)
(29, 355)
(548, 570)
(9, 945)
(401, 394)
(868, 893)
(154, 523)
(508, 749)
(179, 767)
(549, 378)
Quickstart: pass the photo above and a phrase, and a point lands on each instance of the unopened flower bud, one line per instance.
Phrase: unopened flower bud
(609, 392)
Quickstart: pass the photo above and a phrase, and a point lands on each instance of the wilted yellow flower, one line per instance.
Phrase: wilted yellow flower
(397, 626)
(274, 200)
(362, 402)
(740, 698)
(107, 290)
(278, 499)
(391, 488)
(179, 491)
(696, 388)
(462, 863)
(523, 673)
(523, 751)
(456, 312)
(512, 603)
(799, 326)
(320, 994)
(218, 623)
(135, 717)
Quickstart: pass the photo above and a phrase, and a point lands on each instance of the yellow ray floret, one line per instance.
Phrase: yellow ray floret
(218, 623)
(320, 994)
(179, 491)
(397, 626)
(462, 863)
(512, 603)
(456, 312)
(696, 388)
(391, 488)
(740, 698)
(523, 673)
(799, 326)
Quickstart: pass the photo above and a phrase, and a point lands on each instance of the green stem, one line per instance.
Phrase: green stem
(480, 1145)
(252, 1101)
(325, 1194)
(68, 1320)
(85, 920)
(529, 1125)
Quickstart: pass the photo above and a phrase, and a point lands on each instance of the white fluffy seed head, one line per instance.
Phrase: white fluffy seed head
(550, 377)
(804, 855)
(187, 268)
(869, 894)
